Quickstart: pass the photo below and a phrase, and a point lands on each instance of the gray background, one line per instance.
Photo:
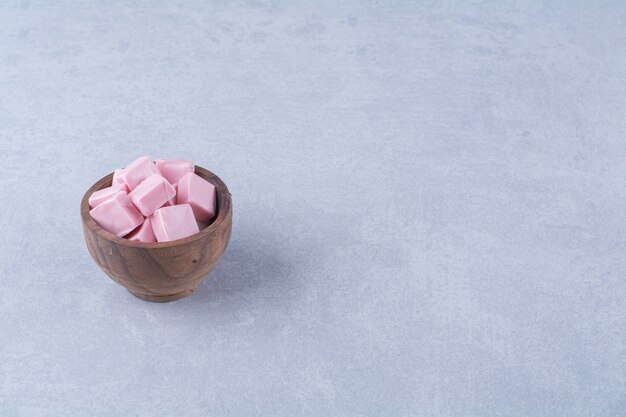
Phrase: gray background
(429, 207)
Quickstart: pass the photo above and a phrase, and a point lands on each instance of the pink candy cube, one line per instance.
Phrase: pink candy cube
(173, 169)
(137, 171)
(117, 214)
(152, 193)
(104, 194)
(199, 194)
(118, 178)
(143, 233)
(174, 222)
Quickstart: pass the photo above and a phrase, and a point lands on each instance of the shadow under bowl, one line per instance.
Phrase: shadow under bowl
(162, 271)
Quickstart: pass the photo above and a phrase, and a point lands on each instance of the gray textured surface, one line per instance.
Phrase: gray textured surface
(430, 207)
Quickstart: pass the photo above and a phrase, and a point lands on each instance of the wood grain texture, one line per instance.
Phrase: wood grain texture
(163, 271)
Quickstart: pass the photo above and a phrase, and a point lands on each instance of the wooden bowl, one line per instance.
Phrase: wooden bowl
(164, 271)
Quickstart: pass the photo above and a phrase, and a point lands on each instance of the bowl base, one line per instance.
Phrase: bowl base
(163, 298)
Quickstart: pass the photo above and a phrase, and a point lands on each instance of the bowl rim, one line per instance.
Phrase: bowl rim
(224, 205)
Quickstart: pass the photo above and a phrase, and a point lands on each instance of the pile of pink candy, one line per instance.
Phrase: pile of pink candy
(154, 202)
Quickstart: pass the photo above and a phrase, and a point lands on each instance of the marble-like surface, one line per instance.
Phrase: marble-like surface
(430, 207)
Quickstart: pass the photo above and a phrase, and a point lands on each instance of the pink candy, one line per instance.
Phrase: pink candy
(118, 178)
(173, 169)
(117, 215)
(143, 233)
(174, 222)
(104, 194)
(150, 202)
(151, 194)
(199, 194)
(137, 171)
